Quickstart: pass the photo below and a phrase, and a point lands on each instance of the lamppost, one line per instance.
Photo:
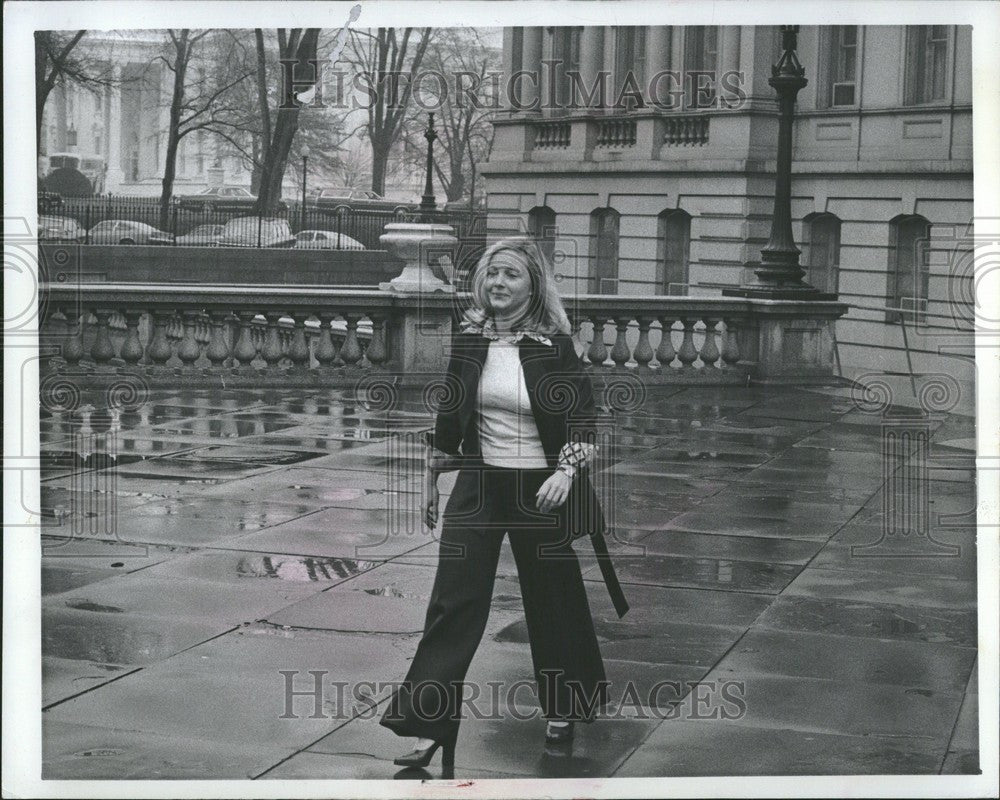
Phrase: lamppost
(779, 275)
(427, 203)
(305, 164)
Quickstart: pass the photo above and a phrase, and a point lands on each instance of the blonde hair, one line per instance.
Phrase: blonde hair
(544, 312)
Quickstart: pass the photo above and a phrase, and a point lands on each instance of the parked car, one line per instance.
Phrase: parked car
(49, 201)
(326, 240)
(60, 229)
(222, 198)
(256, 232)
(125, 231)
(203, 235)
(358, 200)
(217, 196)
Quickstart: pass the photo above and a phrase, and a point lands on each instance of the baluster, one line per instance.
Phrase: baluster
(620, 352)
(72, 351)
(376, 352)
(350, 351)
(218, 349)
(189, 350)
(665, 350)
(101, 350)
(643, 350)
(298, 350)
(598, 352)
(730, 343)
(132, 346)
(709, 350)
(203, 330)
(687, 354)
(246, 348)
(272, 343)
(325, 350)
(159, 350)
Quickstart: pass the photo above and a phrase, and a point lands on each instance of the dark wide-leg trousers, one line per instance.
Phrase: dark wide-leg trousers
(486, 503)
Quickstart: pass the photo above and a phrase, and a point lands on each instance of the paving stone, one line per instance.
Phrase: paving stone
(504, 684)
(713, 573)
(816, 704)
(666, 642)
(877, 620)
(837, 555)
(736, 548)
(64, 677)
(734, 523)
(145, 594)
(913, 665)
(243, 568)
(347, 533)
(77, 751)
(117, 638)
(507, 745)
(928, 592)
(234, 690)
(323, 766)
(716, 748)
(962, 762)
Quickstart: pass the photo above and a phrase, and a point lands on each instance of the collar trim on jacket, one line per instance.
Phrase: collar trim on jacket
(488, 329)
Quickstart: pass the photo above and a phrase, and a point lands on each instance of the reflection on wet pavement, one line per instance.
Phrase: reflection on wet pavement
(210, 534)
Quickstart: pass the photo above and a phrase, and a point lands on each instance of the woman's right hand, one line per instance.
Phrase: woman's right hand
(430, 507)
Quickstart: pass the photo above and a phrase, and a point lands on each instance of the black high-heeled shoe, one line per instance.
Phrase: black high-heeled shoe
(421, 758)
(557, 735)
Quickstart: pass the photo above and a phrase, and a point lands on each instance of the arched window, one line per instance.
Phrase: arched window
(542, 226)
(673, 251)
(604, 224)
(908, 268)
(823, 251)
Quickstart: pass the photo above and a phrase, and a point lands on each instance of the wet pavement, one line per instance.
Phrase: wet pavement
(233, 580)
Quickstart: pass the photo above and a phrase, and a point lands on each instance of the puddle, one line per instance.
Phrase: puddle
(388, 591)
(300, 569)
(88, 605)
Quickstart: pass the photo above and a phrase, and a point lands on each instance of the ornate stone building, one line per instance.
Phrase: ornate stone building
(664, 185)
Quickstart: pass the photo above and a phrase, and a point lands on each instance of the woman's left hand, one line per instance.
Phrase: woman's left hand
(553, 492)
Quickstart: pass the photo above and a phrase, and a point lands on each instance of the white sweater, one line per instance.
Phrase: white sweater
(508, 435)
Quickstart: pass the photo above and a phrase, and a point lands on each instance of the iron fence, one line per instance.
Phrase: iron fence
(189, 221)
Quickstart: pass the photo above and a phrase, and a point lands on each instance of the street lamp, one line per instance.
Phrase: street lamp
(779, 275)
(305, 164)
(427, 203)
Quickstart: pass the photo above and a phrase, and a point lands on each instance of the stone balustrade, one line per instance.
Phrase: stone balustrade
(552, 135)
(312, 334)
(687, 130)
(616, 132)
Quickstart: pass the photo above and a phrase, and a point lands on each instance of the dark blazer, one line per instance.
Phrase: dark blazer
(562, 404)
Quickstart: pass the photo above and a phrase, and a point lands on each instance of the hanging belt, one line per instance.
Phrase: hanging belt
(608, 572)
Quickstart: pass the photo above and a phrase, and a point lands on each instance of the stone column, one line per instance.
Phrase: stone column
(729, 56)
(115, 173)
(591, 59)
(658, 39)
(530, 84)
(511, 64)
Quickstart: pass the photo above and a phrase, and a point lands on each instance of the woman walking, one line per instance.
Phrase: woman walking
(519, 424)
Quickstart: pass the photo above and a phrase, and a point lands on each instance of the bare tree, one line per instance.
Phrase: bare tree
(301, 45)
(386, 57)
(465, 129)
(195, 104)
(59, 59)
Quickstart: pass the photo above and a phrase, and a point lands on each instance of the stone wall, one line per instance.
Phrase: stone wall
(69, 263)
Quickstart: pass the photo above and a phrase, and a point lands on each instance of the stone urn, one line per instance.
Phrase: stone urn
(418, 246)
